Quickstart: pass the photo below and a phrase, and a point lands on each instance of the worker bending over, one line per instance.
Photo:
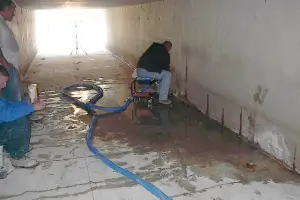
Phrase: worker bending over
(155, 63)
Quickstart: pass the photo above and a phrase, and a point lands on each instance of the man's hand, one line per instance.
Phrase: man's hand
(39, 106)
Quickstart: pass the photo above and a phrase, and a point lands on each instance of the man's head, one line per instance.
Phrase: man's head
(4, 76)
(7, 9)
(168, 45)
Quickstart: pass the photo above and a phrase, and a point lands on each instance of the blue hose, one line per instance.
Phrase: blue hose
(90, 106)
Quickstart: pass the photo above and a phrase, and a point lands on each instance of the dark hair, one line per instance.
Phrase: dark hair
(5, 3)
(168, 43)
(3, 71)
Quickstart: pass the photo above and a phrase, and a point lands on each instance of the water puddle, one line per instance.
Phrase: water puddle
(180, 135)
(192, 140)
(83, 95)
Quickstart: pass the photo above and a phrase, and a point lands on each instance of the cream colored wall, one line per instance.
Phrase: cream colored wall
(23, 27)
(241, 57)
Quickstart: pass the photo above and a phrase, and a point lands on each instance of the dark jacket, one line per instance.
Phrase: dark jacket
(155, 59)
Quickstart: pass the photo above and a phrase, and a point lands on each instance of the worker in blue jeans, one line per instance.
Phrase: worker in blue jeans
(14, 121)
(155, 63)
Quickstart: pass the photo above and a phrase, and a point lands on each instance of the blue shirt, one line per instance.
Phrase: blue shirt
(10, 111)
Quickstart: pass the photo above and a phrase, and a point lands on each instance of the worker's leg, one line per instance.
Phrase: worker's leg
(13, 90)
(164, 85)
(144, 73)
(16, 134)
(164, 79)
(16, 138)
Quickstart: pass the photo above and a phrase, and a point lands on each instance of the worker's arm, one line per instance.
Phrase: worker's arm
(10, 111)
(172, 68)
(3, 61)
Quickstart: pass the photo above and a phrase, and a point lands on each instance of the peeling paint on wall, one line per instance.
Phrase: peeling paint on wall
(273, 143)
(260, 95)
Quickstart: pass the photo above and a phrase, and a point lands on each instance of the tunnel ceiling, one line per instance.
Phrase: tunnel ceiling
(48, 4)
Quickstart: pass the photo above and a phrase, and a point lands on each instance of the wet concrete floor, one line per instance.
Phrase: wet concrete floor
(175, 147)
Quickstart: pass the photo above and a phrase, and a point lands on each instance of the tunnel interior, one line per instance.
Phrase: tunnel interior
(232, 131)
(73, 29)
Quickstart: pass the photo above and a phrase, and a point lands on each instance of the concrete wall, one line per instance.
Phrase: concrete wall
(234, 58)
(23, 27)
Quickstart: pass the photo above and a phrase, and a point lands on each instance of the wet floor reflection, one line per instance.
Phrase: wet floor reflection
(191, 139)
(172, 146)
(154, 120)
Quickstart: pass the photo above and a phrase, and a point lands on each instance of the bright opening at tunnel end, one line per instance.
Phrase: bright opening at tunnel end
(61, 31)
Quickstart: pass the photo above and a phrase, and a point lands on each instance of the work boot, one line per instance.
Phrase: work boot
(165, 102)
(37, 116)
(24, 163)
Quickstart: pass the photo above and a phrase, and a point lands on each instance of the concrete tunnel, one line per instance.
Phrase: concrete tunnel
(231, 134)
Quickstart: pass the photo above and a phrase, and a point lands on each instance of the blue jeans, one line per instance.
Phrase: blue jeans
(13, 90)
(163, 78)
